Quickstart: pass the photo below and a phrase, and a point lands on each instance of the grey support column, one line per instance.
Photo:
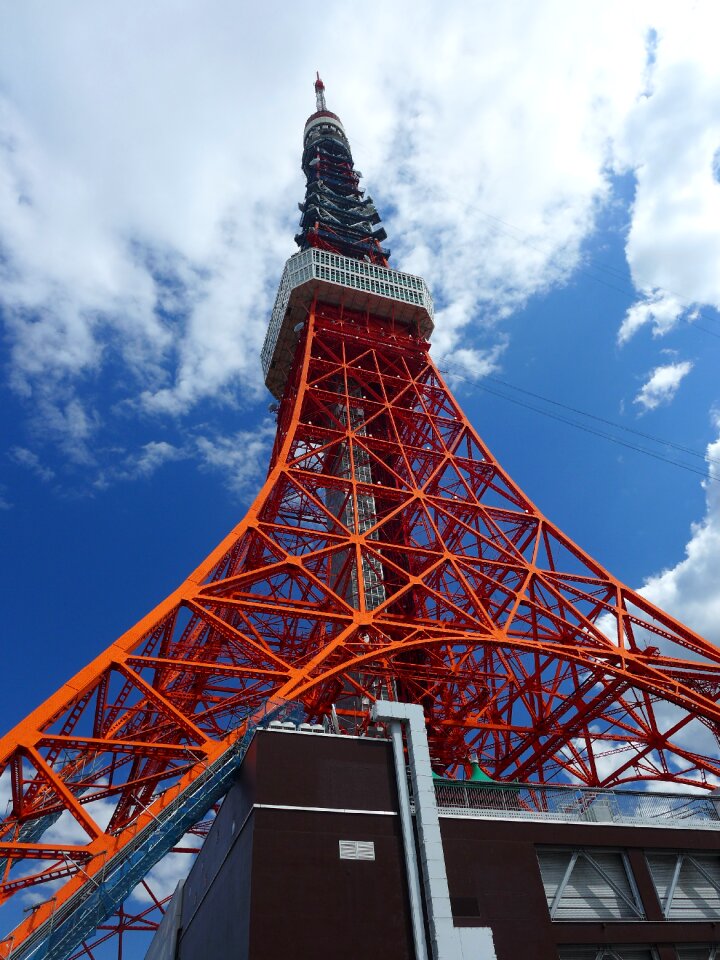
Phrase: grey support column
(411, 864)
(447, 942)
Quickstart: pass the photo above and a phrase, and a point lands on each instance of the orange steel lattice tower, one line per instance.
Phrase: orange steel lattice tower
(388, 555)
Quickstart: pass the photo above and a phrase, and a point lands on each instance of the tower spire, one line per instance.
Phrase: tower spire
(320, 93)
(336, 214)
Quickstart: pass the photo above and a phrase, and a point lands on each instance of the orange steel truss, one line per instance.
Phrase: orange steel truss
(387, 555)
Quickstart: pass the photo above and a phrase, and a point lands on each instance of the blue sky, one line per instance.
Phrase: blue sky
(552, 171)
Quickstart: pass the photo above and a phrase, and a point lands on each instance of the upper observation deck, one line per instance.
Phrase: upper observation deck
(357, 285)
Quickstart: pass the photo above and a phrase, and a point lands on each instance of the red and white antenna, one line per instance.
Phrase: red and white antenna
(320, 94)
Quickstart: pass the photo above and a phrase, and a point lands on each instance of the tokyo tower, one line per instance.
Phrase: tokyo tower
(387, 556)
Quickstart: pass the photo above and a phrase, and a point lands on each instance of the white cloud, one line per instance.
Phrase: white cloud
(30, 460)
(165, 875)
(241, 458)
(137, 221)
(463, 363)
(662, 384)
(142, 463)
(660, 310)
(670, 141)
(690, 590)
(5, 792)
(154, 455)
(497, 177)
(146, 214)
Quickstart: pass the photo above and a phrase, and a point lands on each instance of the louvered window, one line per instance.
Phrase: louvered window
(696, 951)
(588, 884)
(633, 952)
(357, 850)
(687, 884)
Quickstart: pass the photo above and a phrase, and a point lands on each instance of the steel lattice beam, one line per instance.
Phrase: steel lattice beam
(387, 556)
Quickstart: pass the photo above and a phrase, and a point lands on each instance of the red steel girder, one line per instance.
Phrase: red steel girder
(388, 553)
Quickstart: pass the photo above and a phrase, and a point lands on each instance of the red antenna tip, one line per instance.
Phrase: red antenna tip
(319, 92)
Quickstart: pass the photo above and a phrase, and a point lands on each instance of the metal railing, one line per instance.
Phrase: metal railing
(576, 804)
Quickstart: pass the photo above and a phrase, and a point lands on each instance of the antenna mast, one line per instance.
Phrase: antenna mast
(320, 93)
